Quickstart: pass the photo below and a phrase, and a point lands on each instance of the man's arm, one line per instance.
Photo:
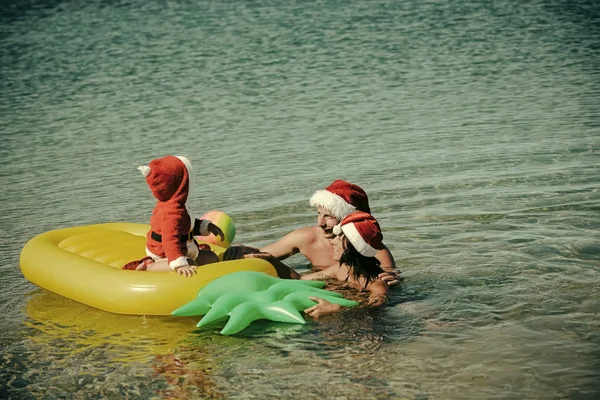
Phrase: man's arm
(285, 247)
(283, 271)
(289, 244)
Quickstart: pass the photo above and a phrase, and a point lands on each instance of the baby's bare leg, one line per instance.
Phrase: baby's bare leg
(161, 265)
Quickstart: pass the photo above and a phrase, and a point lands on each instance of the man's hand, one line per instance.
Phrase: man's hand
(323, 307)
(261, 254)
(215, 230)
(390, 277)
(238, 251)
(186, 270)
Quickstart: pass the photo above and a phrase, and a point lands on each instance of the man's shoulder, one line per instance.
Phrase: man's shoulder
(306, 231)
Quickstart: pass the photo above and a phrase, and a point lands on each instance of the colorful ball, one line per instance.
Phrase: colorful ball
(224, 222)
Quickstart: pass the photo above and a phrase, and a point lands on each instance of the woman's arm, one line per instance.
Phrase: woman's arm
(390, 274)
(379, 290)
(323, 307)
(386, 259)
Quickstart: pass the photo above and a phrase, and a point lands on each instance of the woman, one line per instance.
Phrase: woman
(357, 239)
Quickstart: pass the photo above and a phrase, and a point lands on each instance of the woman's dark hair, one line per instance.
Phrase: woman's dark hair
(360, 266)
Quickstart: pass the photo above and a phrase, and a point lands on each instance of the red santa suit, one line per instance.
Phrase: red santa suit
(170, 236)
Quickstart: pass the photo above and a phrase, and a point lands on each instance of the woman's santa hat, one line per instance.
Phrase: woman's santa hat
(363, 231)
(341, 198)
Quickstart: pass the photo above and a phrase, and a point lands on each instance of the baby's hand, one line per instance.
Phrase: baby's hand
(215, 230)
(186, 270)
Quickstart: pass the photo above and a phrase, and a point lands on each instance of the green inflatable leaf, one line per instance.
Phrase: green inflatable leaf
(247, 296)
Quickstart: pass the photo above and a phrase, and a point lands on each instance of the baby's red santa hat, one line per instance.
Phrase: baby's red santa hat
(169, 178)
(363, 231)
(341, 198)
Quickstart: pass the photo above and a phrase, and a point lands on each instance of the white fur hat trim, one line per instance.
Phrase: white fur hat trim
(333, 203)
(357, 240)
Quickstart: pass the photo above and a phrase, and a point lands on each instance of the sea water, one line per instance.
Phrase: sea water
(474, 127)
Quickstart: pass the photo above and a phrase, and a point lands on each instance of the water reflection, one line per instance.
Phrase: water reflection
(80, 349)
(72, 348)
(84, 327)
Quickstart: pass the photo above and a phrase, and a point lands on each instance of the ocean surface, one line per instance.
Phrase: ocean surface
(474, 126)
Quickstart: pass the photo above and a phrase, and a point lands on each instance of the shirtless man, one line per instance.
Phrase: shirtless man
(335, 202)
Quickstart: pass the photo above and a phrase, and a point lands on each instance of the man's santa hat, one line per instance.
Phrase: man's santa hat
(341, 198)
(363, 231)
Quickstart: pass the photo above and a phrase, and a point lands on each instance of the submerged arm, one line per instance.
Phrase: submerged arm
(378, 293)
(283, 271)
(378, 296)
(321, 275)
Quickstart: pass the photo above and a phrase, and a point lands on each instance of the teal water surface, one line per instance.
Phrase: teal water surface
(474, 127)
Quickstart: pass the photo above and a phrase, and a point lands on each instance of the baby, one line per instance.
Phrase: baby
(170, 243)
